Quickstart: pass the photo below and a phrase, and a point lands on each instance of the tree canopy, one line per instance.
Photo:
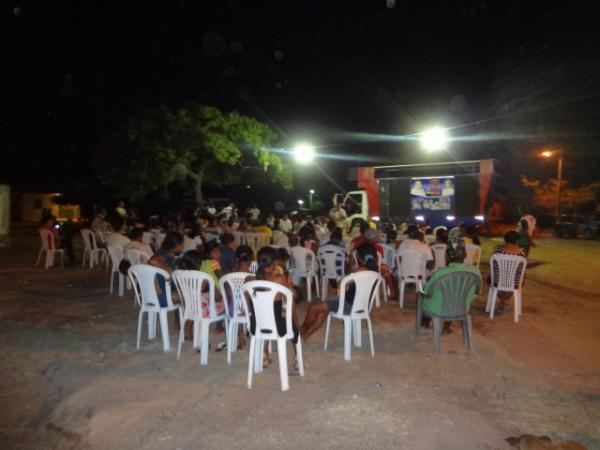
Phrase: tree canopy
(545, 193)
(194, 143)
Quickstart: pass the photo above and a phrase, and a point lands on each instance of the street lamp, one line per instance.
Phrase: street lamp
(434, 139)
(310, 198)
(304, 153)
(300, 202)
(550, 154)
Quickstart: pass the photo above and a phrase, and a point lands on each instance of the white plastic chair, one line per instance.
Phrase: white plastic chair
(143, 279)
(280, 238)
(332, 263)
(253, 267)
(148, 238)
(159, 237)
(190, 284)
(439, 255)
(136, 257)
(473, 255)
(116, 255)
(191, 244)
(507, 273)
(238, 237)
(411, 270)
(232, 282)
(94, 254)
(389, 256)
(261, 295)
(49, 247)
(304, 264)
(366, 283)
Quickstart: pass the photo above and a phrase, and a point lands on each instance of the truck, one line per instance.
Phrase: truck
(441, 193)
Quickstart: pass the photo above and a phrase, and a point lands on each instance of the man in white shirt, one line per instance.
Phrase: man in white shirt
(338, 214)
(415, 242)
(254, 212)
(285, 224)
(118, 238)
(137, 243)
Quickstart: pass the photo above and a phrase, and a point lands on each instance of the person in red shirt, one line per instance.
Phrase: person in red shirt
(47, 223)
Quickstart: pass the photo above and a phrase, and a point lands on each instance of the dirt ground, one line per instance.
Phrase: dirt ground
(70, 376)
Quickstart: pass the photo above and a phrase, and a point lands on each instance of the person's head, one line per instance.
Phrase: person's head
(173, 242)
(293, 240)
(367, 256)
(136, 234)
(441, 235)
(339, 205)
(336, 234)
(456, 250)
(282, 256)
(448, 183)
(511, 237)
(428, 230)
(190, 260)
(363, 227)
(418, 236)
(120, 204)
(211, 250)
(244, 254)
(284, 217)
(331, 225)
(266, 258)
(306, 233)
(418, 184)
(228, 240)
(411, 230)
(471, 230)
(370, 235)
(117, 223)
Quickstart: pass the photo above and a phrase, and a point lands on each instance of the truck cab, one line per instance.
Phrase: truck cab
(356, 204)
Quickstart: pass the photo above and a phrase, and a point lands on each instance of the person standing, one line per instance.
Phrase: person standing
(338, 214)
(254, 212)
(531, 223)
(120, 209)
(285, 224)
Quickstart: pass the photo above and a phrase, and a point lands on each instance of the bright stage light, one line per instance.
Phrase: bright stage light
(480, 218)
(450, 218)
(420, 219)
(434, 139)
(304, 153)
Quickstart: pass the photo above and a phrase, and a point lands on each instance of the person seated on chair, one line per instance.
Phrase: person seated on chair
(263, 227)
(118, 239)
(472, 235)
(415, 242)
(136, 242)
(164, 259)
(267, 270)
(510, 247)
(336, 238)
(244, 257)
(227, 260)
(456, 254)
(441, 236)
(48, 223)
(317, 312)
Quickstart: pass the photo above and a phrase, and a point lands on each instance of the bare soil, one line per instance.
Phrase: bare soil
(70, 376)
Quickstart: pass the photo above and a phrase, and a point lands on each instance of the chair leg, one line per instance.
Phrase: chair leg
(419, 317)
(164, 330)
(196, 337)
(401, 287)
(139, 330)
(283, 368)
(112, 276)
(493, 294)
(316, 281)
(299, 356)
(308, 290)
(230, 338)
(465, 333)
(121, 284)
(470, 332)
(357, 331)
(258, 356)
(370, 327)
(251, 356)
(181, 338)
(327, 331)
(204, 328)
(151, 325)
(324, 289)
(347, 339)
(437, 331)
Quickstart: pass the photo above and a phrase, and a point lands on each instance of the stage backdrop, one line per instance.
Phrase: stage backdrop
(432, 193)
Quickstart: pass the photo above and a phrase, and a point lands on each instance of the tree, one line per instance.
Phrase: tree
(195, 143)
(544, 193)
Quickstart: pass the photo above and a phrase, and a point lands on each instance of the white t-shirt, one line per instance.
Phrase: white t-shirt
(338, 216)
(254, 213)
(117, 240)
(139, 246)
(531, 222)
(416, 246)
(285, 225)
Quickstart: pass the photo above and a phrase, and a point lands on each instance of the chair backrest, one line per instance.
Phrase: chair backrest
(332, 261)
(259, 296)
(136, 257)
(473, 255)
(116, 255)
(412, 265)
(253, 267)
(47, 239)
(366, 284)
(262, 240)
(388, 255)
(158, 240)
(239, 238)
(143, 279)
(457, 290)
(191, 244)
(507, 271)
(190, 284)
(280, 238)
(234, 281)
(89, 239)
(439, 254)
(303, 261)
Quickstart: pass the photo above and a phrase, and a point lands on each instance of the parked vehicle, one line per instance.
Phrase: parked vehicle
(570, 226)
(592, 225)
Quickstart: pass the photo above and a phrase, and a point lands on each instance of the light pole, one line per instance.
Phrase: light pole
(559, 168)
(310, 198)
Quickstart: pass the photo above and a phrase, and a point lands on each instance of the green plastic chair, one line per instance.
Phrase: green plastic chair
(458, 290)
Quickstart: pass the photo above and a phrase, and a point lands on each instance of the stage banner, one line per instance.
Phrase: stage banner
(432, 193)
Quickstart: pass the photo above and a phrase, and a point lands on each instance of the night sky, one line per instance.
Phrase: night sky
(509, 76)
